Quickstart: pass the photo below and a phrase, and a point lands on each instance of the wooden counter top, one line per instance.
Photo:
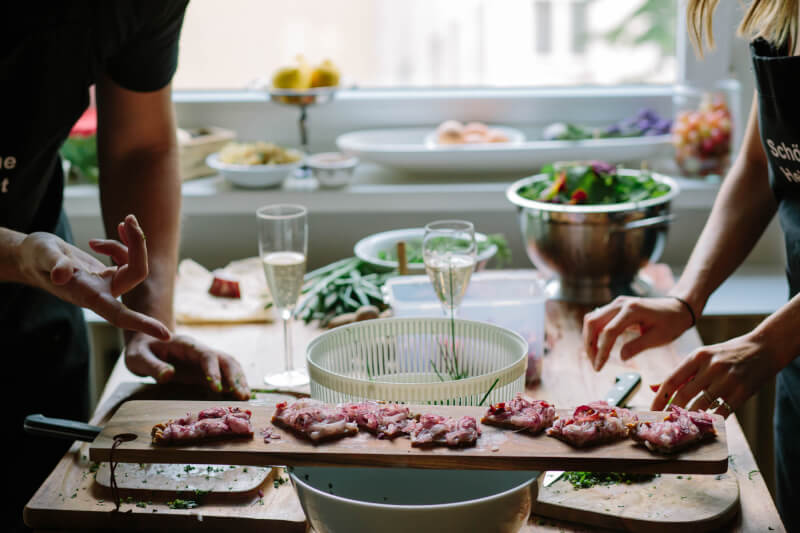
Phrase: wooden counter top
(567, 379)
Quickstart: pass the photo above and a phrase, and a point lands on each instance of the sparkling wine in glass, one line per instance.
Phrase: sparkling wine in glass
(448, 249)
(282, 246)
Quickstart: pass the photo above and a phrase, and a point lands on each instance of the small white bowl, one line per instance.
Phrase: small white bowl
(253, 176)
(332, 169)
(395, 500)
(368, 248)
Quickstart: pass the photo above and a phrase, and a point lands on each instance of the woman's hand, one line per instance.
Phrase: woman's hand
(659, 320)
(724, 374)
(183, 359)
(47, 262)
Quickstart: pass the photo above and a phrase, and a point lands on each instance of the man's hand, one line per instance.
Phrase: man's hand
(49, 263)
(183, 359)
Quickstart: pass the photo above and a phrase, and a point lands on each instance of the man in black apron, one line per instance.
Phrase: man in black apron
(50, 54)
(779, 119)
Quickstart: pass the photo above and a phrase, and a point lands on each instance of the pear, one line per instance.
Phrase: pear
(326, 74)
(297, 77)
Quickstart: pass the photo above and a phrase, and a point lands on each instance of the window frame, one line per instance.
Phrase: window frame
(535, 107)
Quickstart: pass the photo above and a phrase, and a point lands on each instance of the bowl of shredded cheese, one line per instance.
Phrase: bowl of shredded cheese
(255, 165)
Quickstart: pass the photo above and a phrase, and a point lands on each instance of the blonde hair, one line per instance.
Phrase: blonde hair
(774, 20)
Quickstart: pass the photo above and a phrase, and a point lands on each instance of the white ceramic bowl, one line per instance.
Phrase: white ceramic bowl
(368, 248)
(395, 500)
(332, 169)
(253, 176)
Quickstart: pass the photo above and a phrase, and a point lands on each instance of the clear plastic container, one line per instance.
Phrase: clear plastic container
(514, 300)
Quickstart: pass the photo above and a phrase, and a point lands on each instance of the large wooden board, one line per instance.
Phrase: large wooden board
(679, 503)
(71, 497)
(497, 449)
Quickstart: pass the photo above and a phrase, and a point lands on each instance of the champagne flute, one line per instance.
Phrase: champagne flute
(449, 249)
(282, 246)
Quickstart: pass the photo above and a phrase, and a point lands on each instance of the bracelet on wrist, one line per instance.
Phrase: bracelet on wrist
(689, 308)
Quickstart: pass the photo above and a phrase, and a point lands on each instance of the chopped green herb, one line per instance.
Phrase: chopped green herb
(585, 480)
(182, 504)
(750, 474)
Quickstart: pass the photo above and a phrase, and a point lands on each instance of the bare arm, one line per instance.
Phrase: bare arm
(743, 209)
(138, 158)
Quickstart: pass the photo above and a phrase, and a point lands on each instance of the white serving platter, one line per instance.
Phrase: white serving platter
(406, 149)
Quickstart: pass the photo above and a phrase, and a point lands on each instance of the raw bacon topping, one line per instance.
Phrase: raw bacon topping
(433, 429)
(314, 420)
(679, 430)
(594, 423)
(213, 423)
(383, 420)
(521, 413)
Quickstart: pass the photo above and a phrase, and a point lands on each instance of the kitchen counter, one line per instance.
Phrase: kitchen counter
(566, 371)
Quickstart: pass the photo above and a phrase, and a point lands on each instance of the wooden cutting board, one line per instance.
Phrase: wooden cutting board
(184, 477)
(497, 449)
(680, 503)
(260, 499)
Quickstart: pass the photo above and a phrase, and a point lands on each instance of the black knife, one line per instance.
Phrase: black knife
(60, 428)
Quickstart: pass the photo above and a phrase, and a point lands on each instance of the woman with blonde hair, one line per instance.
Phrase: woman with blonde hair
(764, 180)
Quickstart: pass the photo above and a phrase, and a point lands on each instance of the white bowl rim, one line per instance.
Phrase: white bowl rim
(409, 507)
(395, 385)
(214, 162)
(353, 141)
(347, 161)
(514, 197)
(359, 252)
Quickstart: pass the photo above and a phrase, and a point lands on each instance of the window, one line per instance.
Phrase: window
(432, 43)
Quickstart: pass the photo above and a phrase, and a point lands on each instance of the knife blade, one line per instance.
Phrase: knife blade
(60, 428)
(625, 385)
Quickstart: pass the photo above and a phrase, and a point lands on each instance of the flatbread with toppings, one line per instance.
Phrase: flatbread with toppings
(314, 420)
(592, 424)
(521, 413)
(211, 424)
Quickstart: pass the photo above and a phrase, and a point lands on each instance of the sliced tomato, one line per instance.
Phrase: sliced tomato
(224, 288)
(579, 197)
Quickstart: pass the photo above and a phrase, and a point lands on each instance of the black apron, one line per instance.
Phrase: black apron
(46, 346)
(779, 121)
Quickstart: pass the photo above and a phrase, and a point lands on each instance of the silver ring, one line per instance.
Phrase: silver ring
(726, 405)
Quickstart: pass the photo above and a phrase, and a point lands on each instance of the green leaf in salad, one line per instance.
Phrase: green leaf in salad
(595, 183)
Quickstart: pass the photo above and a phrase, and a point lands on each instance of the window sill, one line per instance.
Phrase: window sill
(374, 190)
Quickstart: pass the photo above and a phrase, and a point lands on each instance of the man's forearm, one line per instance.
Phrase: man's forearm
(9, 264)
(147, 184)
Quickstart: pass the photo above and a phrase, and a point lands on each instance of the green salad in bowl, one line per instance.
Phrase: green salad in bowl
(595, 182)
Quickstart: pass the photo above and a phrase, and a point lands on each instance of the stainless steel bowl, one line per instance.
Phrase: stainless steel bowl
(594, 252)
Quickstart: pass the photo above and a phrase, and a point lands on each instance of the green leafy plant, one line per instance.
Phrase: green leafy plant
(592, 183)
(81, 152)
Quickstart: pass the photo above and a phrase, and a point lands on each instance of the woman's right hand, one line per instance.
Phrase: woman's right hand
(46, 261)
(659, 320)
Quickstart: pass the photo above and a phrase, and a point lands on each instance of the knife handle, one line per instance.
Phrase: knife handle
(60, 428)
(624, 387)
